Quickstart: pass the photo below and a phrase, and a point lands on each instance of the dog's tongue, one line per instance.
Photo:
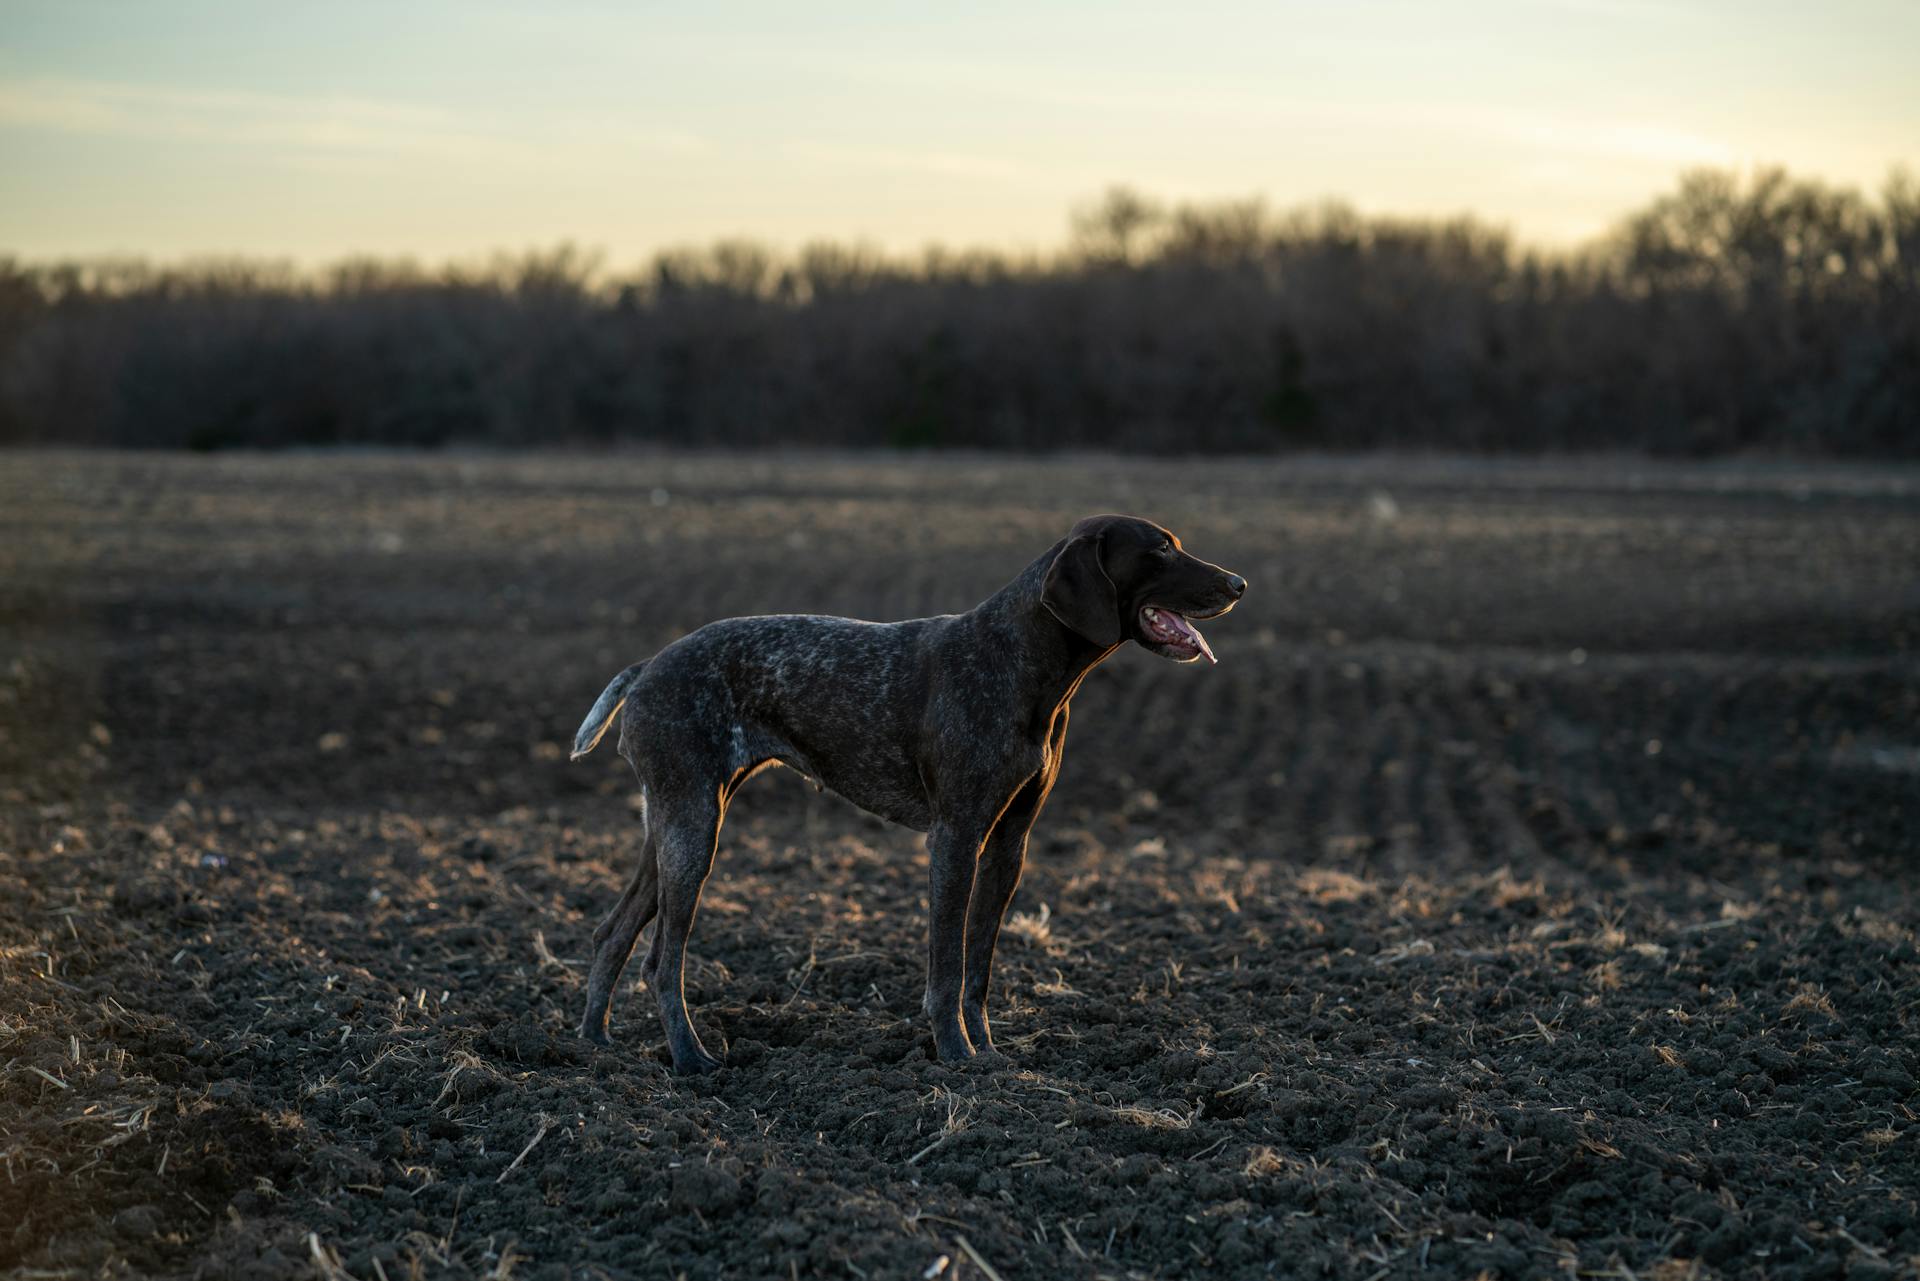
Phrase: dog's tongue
(1179, 624)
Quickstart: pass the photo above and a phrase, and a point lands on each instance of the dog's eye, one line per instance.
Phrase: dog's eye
(1166, 546)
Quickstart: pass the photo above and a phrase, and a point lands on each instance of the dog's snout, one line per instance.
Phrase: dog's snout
(1237, 585)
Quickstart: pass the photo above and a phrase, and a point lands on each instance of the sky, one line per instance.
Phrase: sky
(313, 132)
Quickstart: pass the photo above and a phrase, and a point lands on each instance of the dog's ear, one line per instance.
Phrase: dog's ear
(1079, 593)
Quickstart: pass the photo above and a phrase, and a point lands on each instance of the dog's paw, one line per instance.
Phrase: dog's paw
(690, 1058)
(698, 1063)
(978, 1032)
(950, 1044)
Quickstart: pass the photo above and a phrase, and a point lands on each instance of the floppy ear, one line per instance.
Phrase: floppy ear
(1079, 593)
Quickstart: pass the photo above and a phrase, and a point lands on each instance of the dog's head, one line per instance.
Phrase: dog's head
(1120, 578)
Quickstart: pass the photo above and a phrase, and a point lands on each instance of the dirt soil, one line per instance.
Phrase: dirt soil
(1529, 891)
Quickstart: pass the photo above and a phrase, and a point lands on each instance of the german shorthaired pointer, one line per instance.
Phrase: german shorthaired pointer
(953, 726)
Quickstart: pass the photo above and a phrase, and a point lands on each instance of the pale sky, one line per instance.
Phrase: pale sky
(448, 130)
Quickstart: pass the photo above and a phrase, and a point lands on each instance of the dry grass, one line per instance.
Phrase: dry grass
(1331, 885)
(1263, 1161)
(1153, 1118)
(1058, 986)
(1403, 952)
(1035, 927)
(1810, 998)
(459, 1061)
(959, 1117)
(544, 1123)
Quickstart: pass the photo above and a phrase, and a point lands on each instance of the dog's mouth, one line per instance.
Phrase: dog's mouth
(1173, 635)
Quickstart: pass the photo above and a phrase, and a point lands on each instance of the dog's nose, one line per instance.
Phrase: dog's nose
(1237, 585)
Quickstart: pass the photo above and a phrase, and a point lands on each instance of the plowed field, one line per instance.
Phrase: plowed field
(1530, 889)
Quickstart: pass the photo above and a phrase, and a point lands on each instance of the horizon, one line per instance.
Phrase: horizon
(441, 134)
(598, 268)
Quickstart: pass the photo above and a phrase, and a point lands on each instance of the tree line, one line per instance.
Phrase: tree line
(1758, 313)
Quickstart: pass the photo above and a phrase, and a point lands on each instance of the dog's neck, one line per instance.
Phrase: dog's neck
(1057, 658)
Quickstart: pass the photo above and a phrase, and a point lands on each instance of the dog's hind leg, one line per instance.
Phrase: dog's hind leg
(684, 844)
(650, 968)
(953, 856)
(614, 938)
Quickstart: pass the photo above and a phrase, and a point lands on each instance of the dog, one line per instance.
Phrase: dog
(953, 726)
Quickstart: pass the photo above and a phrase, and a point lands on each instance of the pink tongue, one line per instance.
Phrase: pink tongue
(1191, 634)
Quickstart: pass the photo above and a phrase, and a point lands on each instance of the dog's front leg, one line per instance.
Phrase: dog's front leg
(953, 853)
(1001, 859)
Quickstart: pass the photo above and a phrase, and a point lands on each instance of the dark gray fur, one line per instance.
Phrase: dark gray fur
(952, 725)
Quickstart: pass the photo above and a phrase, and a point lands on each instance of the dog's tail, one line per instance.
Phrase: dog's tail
(604, 710)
